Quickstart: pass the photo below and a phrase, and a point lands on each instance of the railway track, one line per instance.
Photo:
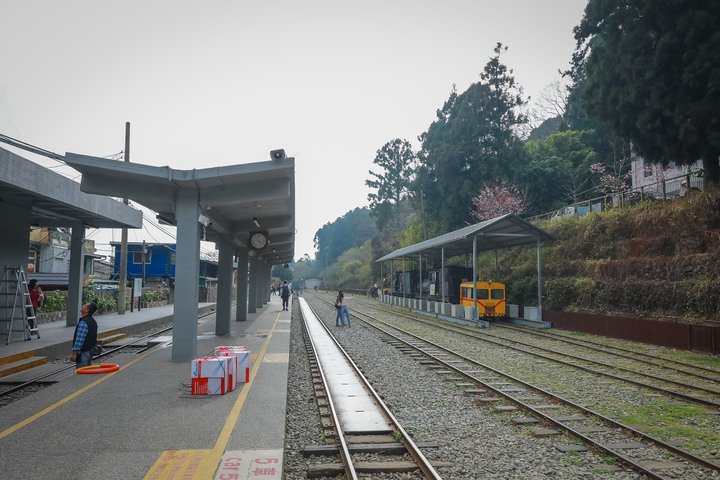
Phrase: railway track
(355, 418)
(659, 361)
(707, 394)
(590, 429)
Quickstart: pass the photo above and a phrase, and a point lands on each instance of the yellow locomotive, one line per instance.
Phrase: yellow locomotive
(490, 298)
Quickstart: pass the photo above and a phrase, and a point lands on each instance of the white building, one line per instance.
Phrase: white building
(668, 182)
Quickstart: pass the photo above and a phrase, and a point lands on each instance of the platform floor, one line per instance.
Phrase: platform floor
(141, 421)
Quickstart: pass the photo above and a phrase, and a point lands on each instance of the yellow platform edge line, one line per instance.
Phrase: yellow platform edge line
(59, 403)
(211, 460)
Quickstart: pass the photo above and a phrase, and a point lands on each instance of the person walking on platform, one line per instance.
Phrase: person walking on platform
(342, 308)
(285, 294)
(85, 336)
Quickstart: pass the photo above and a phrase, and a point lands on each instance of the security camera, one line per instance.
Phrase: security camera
(203, 220)
(277, 155)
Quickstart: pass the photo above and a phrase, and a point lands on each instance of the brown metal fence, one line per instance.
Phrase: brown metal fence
(683, 336)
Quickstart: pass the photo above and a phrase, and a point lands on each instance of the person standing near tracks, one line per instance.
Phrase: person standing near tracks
(342, 309)
(85, 336)
(285, 294)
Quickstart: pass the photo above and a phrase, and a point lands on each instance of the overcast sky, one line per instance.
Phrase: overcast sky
(223, 82)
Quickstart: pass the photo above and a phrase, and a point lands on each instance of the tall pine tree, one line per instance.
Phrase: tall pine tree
(472, 142)
(652, 72)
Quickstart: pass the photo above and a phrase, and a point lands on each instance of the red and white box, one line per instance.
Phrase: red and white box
(234, 348)
(208, 386)
(210, 376)
(243, 361)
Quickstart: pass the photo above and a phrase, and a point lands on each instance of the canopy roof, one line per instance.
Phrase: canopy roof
(56, 201)
(501, 232)
(233, 197)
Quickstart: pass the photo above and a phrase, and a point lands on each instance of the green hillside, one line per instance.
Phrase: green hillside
(656, 260)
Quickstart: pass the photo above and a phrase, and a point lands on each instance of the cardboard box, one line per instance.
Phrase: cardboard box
(243, 360)
(212, 375)
(209, 367)
(208, 386)
(234, 348)
(232, 373)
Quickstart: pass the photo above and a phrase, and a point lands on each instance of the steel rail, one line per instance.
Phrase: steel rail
(657, 442)
(345, 456)
(423, 463)
(471, 333)
(631, 354)
(516, 402)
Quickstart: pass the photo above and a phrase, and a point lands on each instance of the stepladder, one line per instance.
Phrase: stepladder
(16, 308)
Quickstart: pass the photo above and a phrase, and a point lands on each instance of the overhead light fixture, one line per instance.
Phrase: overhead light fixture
(163, 220)
(256, 222)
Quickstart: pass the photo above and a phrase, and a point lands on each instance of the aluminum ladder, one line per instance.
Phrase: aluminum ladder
(16, 305)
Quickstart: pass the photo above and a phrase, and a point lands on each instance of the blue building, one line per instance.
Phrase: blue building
(159, 261)
(159, 264)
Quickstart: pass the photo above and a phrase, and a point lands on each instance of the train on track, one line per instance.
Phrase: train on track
(490, 298)
(458, 289)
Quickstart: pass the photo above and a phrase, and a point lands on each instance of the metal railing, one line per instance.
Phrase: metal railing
(665, 189)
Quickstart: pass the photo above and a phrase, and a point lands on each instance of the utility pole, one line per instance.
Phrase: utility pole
(122, 290)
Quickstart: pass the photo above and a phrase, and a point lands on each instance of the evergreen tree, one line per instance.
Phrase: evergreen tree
(559, 170)
(652, 75)
(471, 142)
(396, 158)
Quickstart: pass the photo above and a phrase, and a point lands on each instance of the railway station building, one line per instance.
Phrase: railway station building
(247, 210)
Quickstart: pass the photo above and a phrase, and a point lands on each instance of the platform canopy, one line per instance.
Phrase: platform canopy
(500, 232)
(56, 201)
(235, 199)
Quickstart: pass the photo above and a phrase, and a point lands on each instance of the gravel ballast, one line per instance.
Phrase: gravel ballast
(480, 443)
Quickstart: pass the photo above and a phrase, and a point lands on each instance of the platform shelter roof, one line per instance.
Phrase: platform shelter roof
(236, 199)
(56, 201)
(500, 232)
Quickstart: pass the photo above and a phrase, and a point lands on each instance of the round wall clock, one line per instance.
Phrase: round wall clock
(258, 240)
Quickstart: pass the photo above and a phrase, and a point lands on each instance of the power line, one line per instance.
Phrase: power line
(31, 148)
(61, 159)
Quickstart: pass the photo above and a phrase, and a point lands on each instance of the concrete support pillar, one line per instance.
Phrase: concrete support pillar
(225, 285)
(187, 271)
(253, 284)
(14, 243)
(242, 286)
(75, 279)
(265, 286)
(260, 283)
